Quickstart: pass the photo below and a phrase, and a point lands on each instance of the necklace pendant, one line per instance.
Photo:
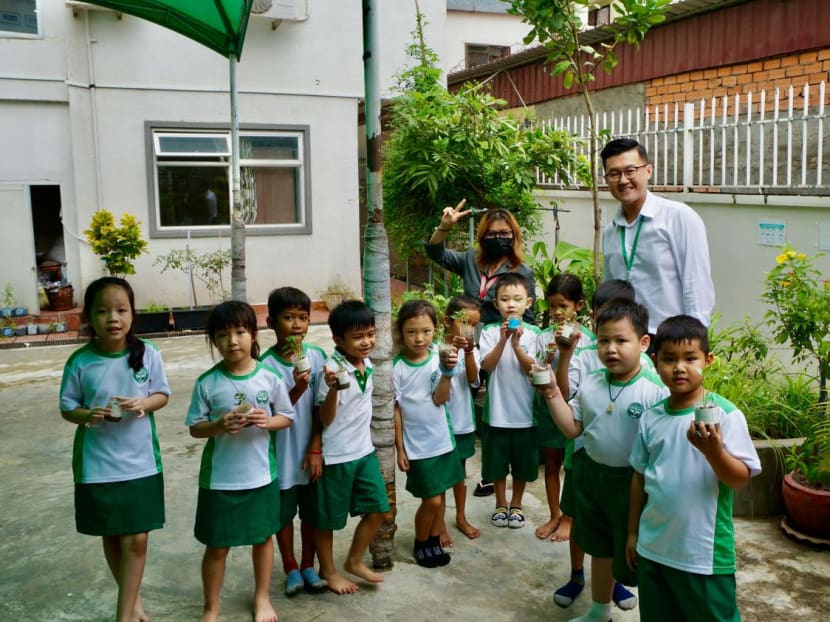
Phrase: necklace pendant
(610, 408)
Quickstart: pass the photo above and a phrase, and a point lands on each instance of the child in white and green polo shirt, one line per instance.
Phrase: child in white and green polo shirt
(681, 536)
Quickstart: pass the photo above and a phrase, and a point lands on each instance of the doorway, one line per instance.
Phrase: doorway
(47, 227)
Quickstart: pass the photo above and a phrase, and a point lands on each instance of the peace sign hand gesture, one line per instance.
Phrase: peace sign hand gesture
(452, 215)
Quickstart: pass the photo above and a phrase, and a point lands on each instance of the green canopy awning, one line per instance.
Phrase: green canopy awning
(217, 24)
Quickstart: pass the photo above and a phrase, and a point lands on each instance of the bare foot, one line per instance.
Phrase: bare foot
(139, 615)
(467, 529)
(363, 571)
(263, 611)
(339, 584)
(445, 539)
(563, 532)
(210, 615)
(546, 531)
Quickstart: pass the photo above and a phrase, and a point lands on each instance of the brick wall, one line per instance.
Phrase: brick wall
(796, 69)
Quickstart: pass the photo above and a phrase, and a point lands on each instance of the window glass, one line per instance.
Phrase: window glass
(193, 180)
(19, 17)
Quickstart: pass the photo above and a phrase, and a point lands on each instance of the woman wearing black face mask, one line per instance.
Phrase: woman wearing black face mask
(499, 251)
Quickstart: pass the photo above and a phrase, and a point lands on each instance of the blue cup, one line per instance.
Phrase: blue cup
(513, 323)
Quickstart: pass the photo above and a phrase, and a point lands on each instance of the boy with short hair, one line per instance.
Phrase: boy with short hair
(680, 533)
(299, 458)
(508, 436)
(606, 411)
(352, 482)
(577, 358)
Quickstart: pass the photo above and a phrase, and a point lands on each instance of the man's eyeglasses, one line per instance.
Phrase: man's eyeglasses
(503, 235)
(628, 172)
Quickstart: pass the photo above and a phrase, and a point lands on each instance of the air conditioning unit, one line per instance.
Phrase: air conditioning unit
(289, 10)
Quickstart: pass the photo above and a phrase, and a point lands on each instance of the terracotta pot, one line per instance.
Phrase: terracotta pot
(808, 508)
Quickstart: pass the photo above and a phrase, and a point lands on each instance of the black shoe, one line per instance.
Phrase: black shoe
(484, 489)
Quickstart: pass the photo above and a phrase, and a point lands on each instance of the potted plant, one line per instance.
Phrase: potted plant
(294, 352)
(799, 317)
(59, 325)
(31, 326)
(208, 268)
(154, 318)
(8, 302)
(336, 292)
(117, 247)
(777, 404)
(7, 327)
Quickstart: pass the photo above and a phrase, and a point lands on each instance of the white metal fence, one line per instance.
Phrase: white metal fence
(748, 143)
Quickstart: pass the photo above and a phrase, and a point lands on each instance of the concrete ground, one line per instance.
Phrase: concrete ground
(50, 572)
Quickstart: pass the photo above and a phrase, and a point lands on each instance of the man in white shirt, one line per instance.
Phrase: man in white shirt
(658, 245)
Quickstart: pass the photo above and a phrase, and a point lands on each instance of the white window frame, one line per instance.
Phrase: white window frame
(156, 130)
(9, 34)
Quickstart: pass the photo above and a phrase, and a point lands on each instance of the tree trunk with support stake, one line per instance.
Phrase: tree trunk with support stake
(376, 286)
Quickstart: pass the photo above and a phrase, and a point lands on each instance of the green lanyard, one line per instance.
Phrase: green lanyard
(629, 261)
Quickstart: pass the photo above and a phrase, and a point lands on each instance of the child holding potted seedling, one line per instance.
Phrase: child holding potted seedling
(299, 456)
(680, 534)
(423, 437)
(509, 443)
(565, 298)
(462, 315)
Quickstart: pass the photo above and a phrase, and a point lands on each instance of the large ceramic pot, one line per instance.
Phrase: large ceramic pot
(807, 508)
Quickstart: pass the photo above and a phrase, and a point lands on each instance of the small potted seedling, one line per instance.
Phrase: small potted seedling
(514, 322)
(116, 414)
(294, 346)
(7, 328)
(706, 410)
(59, 325)
(31, 326)
(8, 302)
(468, 331)
(242, 411)
(540, 375)
(342, 371)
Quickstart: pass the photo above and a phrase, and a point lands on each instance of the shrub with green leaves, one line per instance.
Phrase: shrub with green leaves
(116, 246)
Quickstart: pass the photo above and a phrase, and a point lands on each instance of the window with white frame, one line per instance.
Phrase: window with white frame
(19, 18)
(192, 175)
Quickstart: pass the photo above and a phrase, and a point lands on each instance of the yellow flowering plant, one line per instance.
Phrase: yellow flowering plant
(117, 246)
(800, 316)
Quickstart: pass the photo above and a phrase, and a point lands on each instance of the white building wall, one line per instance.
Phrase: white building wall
(739, 263)
(480, 28)
(398, 19)
(105, 77)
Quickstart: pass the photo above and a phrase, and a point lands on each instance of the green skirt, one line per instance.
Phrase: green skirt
(120, 508)
(237, 517)
(432, 476)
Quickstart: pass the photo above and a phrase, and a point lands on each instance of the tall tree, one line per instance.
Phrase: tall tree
(447, 146)
(376, 287)
(558, 25)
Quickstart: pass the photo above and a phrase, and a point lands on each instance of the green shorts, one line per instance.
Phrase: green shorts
(601, 495)
(671, 594)
(432, 476)
(301, 496)
(465, 445)
(549, 433)
(120, 508)
(237, 517)
(509, 450)
(354, 487)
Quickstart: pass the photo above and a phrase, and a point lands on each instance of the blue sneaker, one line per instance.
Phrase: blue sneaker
(312, 580)
(293, 583)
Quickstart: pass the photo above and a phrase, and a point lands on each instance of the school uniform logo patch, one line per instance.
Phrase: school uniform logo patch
(141, 376)
(635, 410)
(262, 397)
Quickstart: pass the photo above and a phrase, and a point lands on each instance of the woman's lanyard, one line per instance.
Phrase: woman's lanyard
(486, 284)
(629, 261)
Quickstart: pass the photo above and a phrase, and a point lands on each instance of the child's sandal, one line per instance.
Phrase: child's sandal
(499, 517)
(516, 520)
